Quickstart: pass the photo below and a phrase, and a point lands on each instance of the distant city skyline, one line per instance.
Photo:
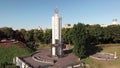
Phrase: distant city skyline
(30, 14)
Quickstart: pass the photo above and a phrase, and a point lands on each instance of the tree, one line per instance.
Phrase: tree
(8, 32)
(67, 35)
(96, 33)
(64, 35)
(38, 35)
(1, 35)
(29, 36)
(108, 38)
(18, 36)
(47, 36)
(79, 39)
(112, 33)
(116, 33)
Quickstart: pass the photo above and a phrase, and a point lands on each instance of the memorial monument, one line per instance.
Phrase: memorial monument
(56, 47)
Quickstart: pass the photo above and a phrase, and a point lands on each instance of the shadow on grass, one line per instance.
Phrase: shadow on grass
(92, 50)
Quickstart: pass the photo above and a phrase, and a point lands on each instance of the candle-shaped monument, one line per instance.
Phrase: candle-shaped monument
(56, 48)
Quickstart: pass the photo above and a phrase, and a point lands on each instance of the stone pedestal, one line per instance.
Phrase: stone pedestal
(56, 50)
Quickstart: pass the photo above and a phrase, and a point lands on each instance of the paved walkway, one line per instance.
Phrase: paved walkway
(103, 56)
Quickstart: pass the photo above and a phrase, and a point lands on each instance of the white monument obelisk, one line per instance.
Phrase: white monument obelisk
(56, 34)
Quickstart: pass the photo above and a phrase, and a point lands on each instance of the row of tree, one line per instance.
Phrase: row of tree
(96, 33)
(30, 37)
(26, 36)
(82, 36)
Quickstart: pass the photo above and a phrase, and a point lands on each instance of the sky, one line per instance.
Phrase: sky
(32, 14)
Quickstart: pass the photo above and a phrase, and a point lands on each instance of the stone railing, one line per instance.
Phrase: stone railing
(20, 63)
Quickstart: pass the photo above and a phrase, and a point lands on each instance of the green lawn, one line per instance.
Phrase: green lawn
(107, 48)
(43, 46)
(8, 53)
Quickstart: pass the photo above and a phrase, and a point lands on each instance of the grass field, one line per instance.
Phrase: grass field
(107, 48)
(8, 53)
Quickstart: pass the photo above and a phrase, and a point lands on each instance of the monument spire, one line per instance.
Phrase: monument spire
(56, 10)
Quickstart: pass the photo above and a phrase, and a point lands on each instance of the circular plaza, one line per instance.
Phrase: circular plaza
(104, 56)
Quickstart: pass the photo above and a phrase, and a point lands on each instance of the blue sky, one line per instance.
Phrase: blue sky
(29, 14)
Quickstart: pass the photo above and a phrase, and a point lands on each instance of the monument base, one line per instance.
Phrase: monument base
(56, 50)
